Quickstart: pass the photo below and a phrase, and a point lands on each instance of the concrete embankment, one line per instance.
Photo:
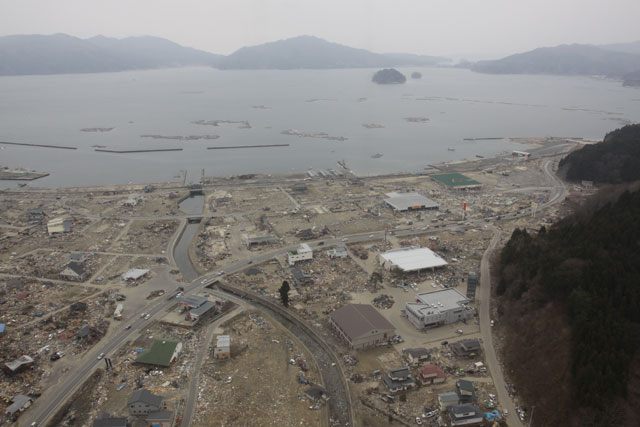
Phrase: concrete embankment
(230, 147)
(102, 150)
(63, 147)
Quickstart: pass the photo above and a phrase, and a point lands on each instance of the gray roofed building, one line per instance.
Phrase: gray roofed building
(398, 380)
(466, 348)
(299, 186)
(439, 308)
(18, 365)
(339, 252)
(159, 418)
(409, 201)
(417, 355)
(198, 312)
(466, 391)
(106, 420)
(464, 415)
(447, 399)
(143, 402)
(301, 278)
(19, 403)
(192, 301)
(259, 240)
(74, 270)
(361, 326)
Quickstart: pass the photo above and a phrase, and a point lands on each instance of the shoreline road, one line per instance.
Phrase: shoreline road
(485, 332)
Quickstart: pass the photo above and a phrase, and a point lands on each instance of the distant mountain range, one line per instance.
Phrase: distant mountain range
(61, 53)
(616, 61)
(314, 53)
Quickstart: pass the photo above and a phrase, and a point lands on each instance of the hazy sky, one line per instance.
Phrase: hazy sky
(442, 27)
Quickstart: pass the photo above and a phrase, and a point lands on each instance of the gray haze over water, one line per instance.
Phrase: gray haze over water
(459, 104)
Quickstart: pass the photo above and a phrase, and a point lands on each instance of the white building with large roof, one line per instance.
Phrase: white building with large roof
(409, 201)
(439, 308)
(414, 258)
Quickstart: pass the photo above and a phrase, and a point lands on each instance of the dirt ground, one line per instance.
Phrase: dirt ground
(251, 389)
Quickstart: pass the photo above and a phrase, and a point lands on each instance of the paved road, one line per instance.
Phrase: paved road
(485, 332)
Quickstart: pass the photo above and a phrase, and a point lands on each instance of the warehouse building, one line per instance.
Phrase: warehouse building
(361, 326)
(438, 308)
(456, 181)
(410, 259)
(409, 202)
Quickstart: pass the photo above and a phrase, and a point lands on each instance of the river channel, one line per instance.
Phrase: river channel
(191, 205)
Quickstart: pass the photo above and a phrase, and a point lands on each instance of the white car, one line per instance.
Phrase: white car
(100, 356)
(344, 239)
(492, 323)
(505, 412)
(459, 331)
(147, 316)
(142, 315)
(370, 236)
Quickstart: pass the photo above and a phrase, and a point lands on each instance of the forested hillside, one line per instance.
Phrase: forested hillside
(585, 274)
(614, 160)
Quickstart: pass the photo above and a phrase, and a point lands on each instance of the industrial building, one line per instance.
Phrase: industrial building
(438, 308)
(409, 202)
(361, 326)
(303, 253)
(410, 259)
(196, 306)
(456, 181)
(259, 240)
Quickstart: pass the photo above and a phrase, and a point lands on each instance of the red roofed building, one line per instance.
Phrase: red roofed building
(430, 374)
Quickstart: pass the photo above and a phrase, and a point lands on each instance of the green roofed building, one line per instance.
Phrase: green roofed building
(456, 180)
(163, 351)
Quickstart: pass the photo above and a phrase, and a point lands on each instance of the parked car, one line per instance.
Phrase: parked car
(492, 323)
(127, 327)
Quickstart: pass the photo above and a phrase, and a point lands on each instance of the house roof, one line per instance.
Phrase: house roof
(465, 385)
(400, 373)
(413, 259)
(416, 352)
(76, 267)
(449, 396)
(464, 411)
(135, 273)
(160, 353)
(146, 397)
(2, 326)
(160, 416)
(110, 422)
(19, 401)
(20, 361)
(394, 384)
(359, 319)
(431, 371)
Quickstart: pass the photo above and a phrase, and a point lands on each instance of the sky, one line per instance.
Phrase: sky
(480, 28)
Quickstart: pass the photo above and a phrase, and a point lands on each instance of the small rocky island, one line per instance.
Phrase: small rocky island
(388, 76)
(416, 75)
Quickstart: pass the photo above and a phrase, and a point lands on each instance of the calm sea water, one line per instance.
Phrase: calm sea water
(458, 103)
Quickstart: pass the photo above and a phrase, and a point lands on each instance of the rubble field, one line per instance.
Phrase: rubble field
(250, 388)
(147, 237)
